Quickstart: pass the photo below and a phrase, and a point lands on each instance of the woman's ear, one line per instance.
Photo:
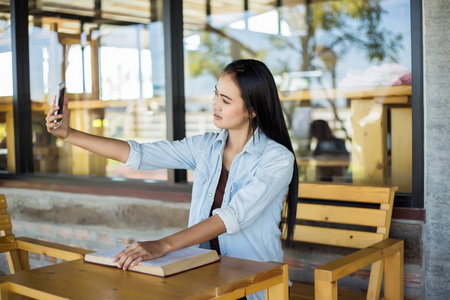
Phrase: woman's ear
(252, 113)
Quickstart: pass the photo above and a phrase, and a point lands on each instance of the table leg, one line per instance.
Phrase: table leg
(281, 290)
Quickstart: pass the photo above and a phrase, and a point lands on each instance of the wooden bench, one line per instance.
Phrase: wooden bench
(17, 249)
(324, 214)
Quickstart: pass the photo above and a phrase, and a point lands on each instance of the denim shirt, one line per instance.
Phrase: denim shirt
(258, 181)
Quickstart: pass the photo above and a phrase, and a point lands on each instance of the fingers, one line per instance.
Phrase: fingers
(136, 253)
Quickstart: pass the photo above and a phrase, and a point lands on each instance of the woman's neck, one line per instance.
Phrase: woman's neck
(237, 139)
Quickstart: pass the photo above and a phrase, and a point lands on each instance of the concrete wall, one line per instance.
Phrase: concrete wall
(437, 144)
(89, 221)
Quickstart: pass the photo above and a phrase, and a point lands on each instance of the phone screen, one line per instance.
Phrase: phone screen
(62, 91)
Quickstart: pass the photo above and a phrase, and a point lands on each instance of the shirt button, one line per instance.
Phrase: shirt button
(210, 194)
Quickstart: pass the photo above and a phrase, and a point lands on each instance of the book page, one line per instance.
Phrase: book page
(169, 258)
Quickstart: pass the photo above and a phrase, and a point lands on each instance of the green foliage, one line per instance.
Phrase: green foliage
(211, 57)
(216, 50)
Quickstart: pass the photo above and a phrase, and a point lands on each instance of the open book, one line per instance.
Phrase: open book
(173, 262)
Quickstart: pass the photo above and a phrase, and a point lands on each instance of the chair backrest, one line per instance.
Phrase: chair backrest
(7, 240)
(344, 215)
(8, 243)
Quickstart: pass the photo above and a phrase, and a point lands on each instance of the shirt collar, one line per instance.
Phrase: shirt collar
(254, 146)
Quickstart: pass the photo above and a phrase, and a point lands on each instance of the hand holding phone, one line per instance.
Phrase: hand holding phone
(60, 101)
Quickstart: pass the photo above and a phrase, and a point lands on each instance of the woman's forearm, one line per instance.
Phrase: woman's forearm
(107, 147)
(197, 234)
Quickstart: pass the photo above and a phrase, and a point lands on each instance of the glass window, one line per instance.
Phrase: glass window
(7, 158)
(114, 86)
(343, 70)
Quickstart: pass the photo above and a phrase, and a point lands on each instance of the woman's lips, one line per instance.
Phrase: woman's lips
(216, 117)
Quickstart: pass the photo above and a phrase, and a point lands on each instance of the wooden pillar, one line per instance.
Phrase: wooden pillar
(369, 144)
(401, 149)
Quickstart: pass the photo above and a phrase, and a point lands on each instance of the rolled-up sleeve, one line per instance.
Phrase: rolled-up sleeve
(270, 183)
(229, 219)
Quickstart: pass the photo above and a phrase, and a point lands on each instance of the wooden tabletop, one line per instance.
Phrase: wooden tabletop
(230, 278)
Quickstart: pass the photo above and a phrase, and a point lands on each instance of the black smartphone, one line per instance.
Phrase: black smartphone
(60, 100)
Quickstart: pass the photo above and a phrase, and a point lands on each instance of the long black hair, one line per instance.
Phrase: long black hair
(260, 94)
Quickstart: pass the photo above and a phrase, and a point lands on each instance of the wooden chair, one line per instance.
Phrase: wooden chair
(326, 222)
(17, 249)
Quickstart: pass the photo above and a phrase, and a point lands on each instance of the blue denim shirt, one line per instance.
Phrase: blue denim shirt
(254, 194)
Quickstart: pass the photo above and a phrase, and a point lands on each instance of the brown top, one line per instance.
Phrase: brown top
(218, 198)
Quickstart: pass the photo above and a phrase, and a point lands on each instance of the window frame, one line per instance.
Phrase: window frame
(175, 105)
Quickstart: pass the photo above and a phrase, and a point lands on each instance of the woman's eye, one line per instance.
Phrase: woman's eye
(225, 101)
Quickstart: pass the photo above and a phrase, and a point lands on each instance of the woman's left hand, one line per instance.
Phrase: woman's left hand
(139, 251)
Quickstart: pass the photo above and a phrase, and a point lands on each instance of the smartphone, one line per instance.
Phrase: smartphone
(60, 100)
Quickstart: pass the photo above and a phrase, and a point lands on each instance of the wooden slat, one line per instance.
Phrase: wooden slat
(342, 192)
(336, 237)
(3, 201)
(7, 243)
(33, 293)
(341, 214)
(51, 249)
(5, 222)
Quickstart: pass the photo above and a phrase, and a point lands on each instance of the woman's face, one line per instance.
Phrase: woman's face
(229, 107)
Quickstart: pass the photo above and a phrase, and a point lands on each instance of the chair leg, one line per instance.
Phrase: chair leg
(24, 260)
(376, 276)
(14, 261)
(325, 290)
(394, 278)
(4, 291)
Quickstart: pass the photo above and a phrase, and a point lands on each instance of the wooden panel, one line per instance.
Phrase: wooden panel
(335, 237)
(340, 214)
(3, 204)
(369, 143)
(7, 243)
(342, 192)
(5, 222)
(401, 153)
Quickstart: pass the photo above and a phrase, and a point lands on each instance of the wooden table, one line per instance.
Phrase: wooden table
(230, 278)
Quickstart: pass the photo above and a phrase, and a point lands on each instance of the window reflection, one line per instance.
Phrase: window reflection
(344, 65)
(107, 61)
(7, 159)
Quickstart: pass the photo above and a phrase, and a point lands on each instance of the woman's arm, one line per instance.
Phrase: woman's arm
(107, 147)
(199, 233)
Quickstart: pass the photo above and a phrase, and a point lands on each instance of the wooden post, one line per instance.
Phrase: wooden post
(394, 278)
(11, 155)
(401, 150)
(369, 144)
(325, 290)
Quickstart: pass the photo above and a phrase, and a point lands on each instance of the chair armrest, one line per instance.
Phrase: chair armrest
(51, 249)
(346, 265)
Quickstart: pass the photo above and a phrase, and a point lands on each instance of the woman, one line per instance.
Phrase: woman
(241, 177)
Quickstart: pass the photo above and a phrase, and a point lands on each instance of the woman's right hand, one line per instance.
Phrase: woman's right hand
(62, 131)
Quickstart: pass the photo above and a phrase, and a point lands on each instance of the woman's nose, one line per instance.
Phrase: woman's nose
(216, 105)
